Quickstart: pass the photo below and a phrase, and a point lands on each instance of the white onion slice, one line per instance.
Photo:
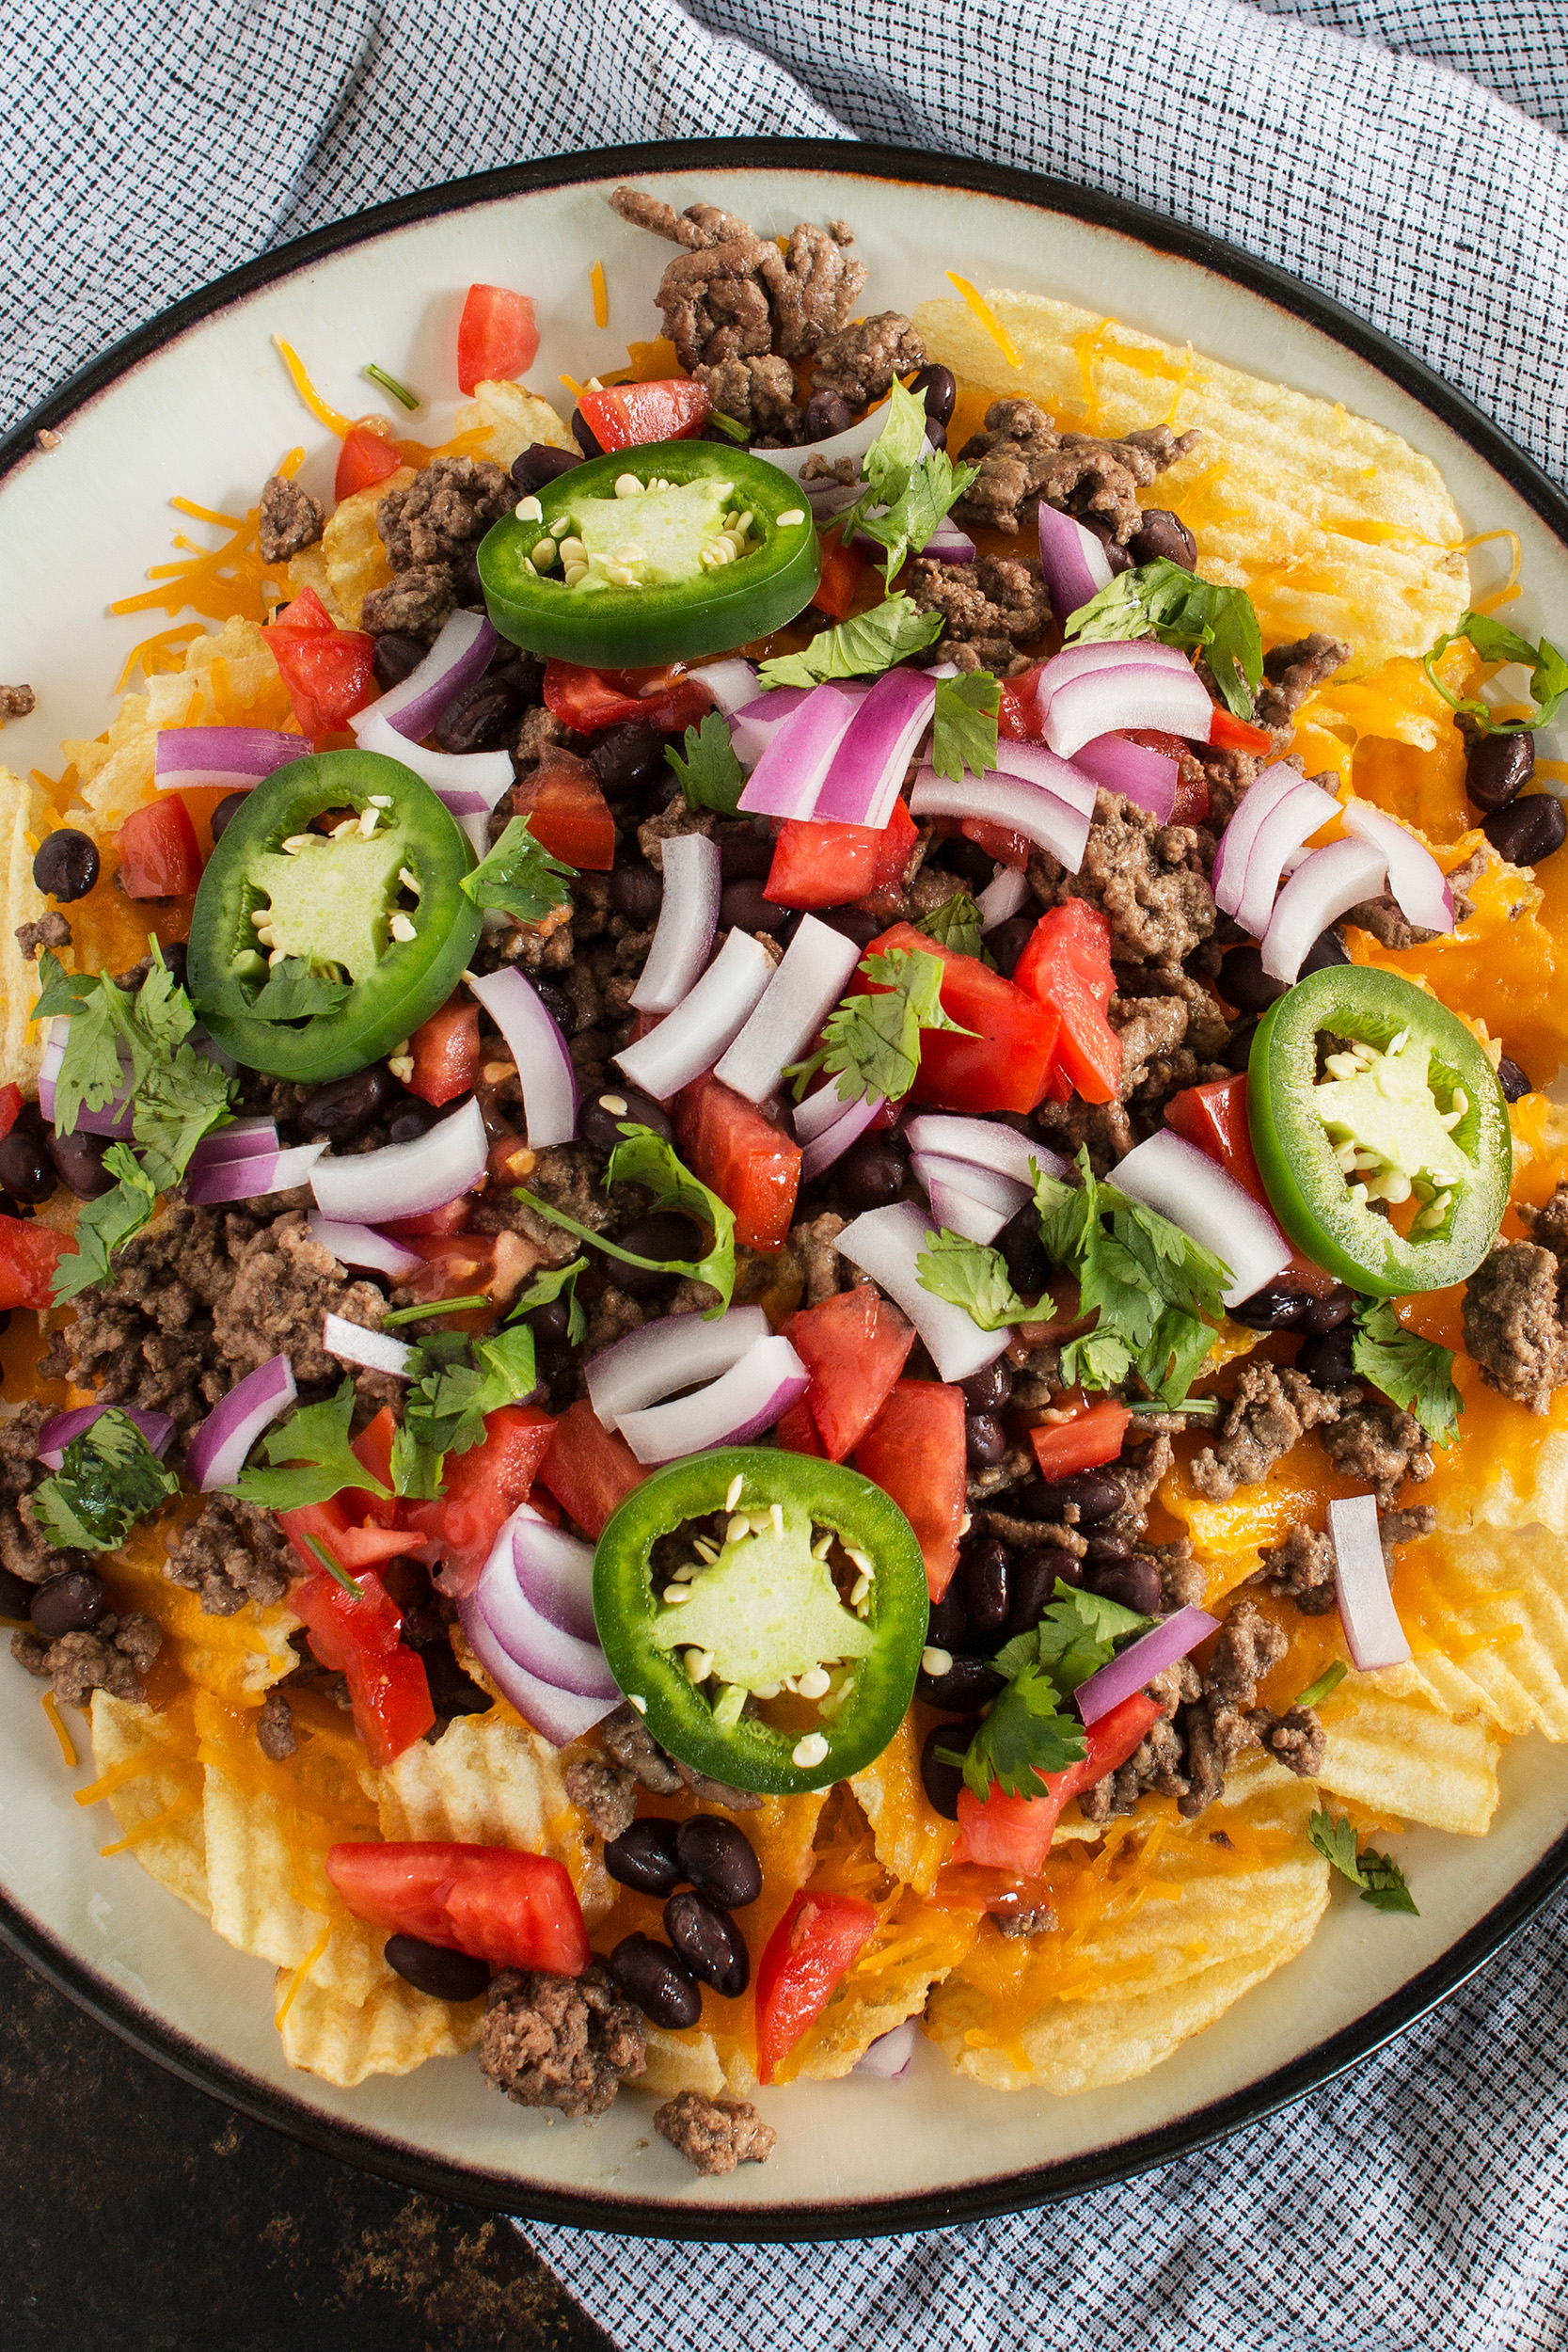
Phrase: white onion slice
(1109, 653)
(795, 1001)
(984, 1143)
(457, 658)
(1175, 701)
(1284, 829)
(1004, 1194)
(956, 1211)
(58, 1432)
(688, 920)
(853, 442)
(558, 1716)
(218, 1451)
(1037, 765)
(831, 1143)
(362, 1246)
(740, 1404)
(1002, 897)
(553, 1672)
(1169, 1174)
(1373, 1634)
(733, 684)
(1417, 882)
(1003, 799)
(545, 1070)
(690, 1040)
(1331, 881)
(251, 1178)
(890, 2057)
(947, 544)
(379, 1351)
(794, 768)
(1256, 804)
(885, 1244)
(488, 773)
(819, 1111)
(1149, 1654)
(556, 1572)
(677, 1352)
(1074, 562)
(406, 1179)
(873, 756)
(1135, 770)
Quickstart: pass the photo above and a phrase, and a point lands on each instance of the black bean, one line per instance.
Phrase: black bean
(745, 856)
(1527, 830)
(1496, 767)
(480, 718)
(1326, 1360)
(941, 389)
(825, 413)
(852, 923)
(523, 671)
(66, 867)
(1106, 1547)
(558, 1003)
(1328, 951)
(743, 908)
(1164, 537)
(71, 1602)
(1007, 941)
(666, 1234)
(944, 1780)
(658, 1981)
(1512, 1079)
(949, 1620)
(1035, 1578)
(467, 583)
(410, 1121)
(16, 1596)
(435, 1969)
(26, 1171)
(79, 1160)
(599, 1122)
(1277, 1307)
(176, 955)
(709, 1942)
(1327, 1313)
(1019, 1243)
(1238, 1052)
(628, 757)
(1097, 1495)
(644, 1856)
(872, 1174)
(987, 1389)
(637, 891)
(532, 467)
(1134, 1582)
(343, 1108)
(398, 654)
(1119, 557)
(983, 1567)
(451, 1693)
(969, 1682)
(965, 858)
(985, 1440)
(227, 808)
(719, 1859)
(936, 434)
(1244, 983)
(584, 434)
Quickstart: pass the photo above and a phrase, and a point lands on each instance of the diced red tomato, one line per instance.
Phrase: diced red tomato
(843, 569)
(480, 1491)
(567, 812)
(1067, 967)
(343, 1525)
(854, 1346)
(366, 456)
(798, 1433)
(807, 1953)
(1002, 846)
(589, 1469)
(752, 1166)
(372, 1450)
(1004, 1065)
(496, 337)
(515, 1909)
(11, 1104)
(914, 1450)
(623, 415)
(445, 1050)
(455, 1265)
(29, 1253)
(587, 700)
(1091, 1436)
(1214, 1116)
(362, 1640)
(1022, 715)
(1191, 804)
(823, 864)
(451, 1218)
(329, 673)
(307, 612)
(1235, 735)
(895, 848)
(159, 854)
(1014, 1834)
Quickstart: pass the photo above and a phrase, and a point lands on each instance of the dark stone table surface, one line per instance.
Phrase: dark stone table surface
(138, 2216)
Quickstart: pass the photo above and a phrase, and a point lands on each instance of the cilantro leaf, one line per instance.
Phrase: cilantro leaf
(956, 924)
(315, 1441)
(909, 485)
(520, 877)
(454, 1382)
(546, 1287)
(709, 775)
(1415, 1373)
(1162, 600)
(873, 1041)
(1382, 1884)
(109, 1479)
(1155, 1292)
(103, 1225)
(870, 643)
(1546, 663)
(415, 1466)
(963, 731)
(1023, 1737)
(968, 1275)
(1378, 1875)
(644, 1158)
(292, 992)
(1078, 1633)
(899, 447)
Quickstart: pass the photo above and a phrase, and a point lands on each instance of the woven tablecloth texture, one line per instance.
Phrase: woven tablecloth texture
(1404, 158)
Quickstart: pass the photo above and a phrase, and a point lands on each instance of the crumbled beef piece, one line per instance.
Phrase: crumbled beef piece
(714, 2135)
(1513, 1323)
(1183, 1580)
(1270, 1410)
(1018, 1925)
(844, 470)
(1302, 1569)
(1138, 1474)
(284, 1282)
(1023, 459)
(538, 731)
(1295, 1739)
(826, 1271)
(733, 295)
(113, 1658)
(1229, 776)
(1378, 1445)
(275, 1728)
(17, 702)
(445, 509)
(671, 824)
(1404, 1527)
(50, 931)
(1388, 923)
(1147, 1026)
(606, 1797)
(1016, 1468)
(1292, 672)
(1024, 1534)
(1548, 1225)
(988, 607)
(1208, 1026)
(1249, 1643)
(24, 1550)
(1104, 1127)
(290, 519)
(233, 1553)
(630, 1743)
(565, 1176)
(560, 2041)
(1147, 877)
(417, 603)
(759, 394)
(860, 361)
(709, 1792)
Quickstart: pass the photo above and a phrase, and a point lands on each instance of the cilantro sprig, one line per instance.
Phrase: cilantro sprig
(909, 485)
(861, 647)
(1415, 1373)
(963, 727)
(956, 924)
(1546, 663)
(1025, 1734)
(520, 877)
(313, 1443)
(872, 1042)
(710, 775)
(1155, 1292)
(454, 1381)
(292, 992)
(1378, 1875)
(109, 1479)
(1162, 600)
(644, 1158)
(969, 1274)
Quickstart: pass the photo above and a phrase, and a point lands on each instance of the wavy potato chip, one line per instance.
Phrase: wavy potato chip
(915, 1947)
(351, 546)
(511, 418)
(1493, 1605)
(228, 680)
(390, 2031)
(911, 1840)
(693, 2060)
(1396, 1751)
(151, 1782)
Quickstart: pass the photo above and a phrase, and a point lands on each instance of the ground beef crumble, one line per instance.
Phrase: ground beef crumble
(603, 1794)
(24, 1550)
(50, 931)
(233, 1553)
(1514, 1326)
(860, 361)
(759, 394)
(1302, 1569)
(429, 531)
(290, 519)
(1271, 1409)
(1377, 1444)
(632, 1745)
(560, 2041)
(17, 702)
(714, 2135)
(113, 1657)
(1147, 879)
(989, 607)
(275, 1728)
(1023, 459)
(1291, 673)
(733, 295)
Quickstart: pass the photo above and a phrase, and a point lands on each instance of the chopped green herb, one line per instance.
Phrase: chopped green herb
(109, 1479)
(1327, 1683)
(1378, 1875)
(103, 1225)
(355, 1591)
(292, 991)
(520, 877)
(645, 1158)
(435, 1306)
(1546, 664)
(909, 485)
(963, 729)
(731, 425)
(1025, 1734)
(1162, 600)
(454, 1381)
(709, 775)
(546, 1287)
(314, 1441)
(873, 1041)
(870, 643)
(1155, 1293)
(970, 1276)
(389, 384)
(956, 924)
(1415, 1373)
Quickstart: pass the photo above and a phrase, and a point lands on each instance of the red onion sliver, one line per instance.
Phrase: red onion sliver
(58, 1431)
(406, 1179)
(733, 684)
(739, 1404)
(677, 1352)
(1373, 1634)
(488, 773)
(984, 1143)
(556, 1572)
(753, 727)
(1111, 653)
(1417, 882)
(891, 2056)
(233, 757)
(1169, 1174)
(1149, 1654)
(885, 1244)
(955, 1210)
(873, 757)
(545, 1066)
(1074, 562)
(1004, 800)
(1332, 880)
(1132, 695)
(1234, 854)
(688, 920)
(795, 1001)
(1283, 831)
(793, 768)
(829, 1143)
(985, 1186)
(252, 1177)
(217, 1451)
(113, 1119)
(563, 1660)
(1133, 770)
(242, 1139)
(362, 1246)
(459, 656)
(1036, 765)
(947, 544)
(1002, 897)
(558, 1716)
(379, 1351)
(692, 1038)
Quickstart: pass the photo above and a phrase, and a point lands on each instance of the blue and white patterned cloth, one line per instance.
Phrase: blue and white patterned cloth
(1407, 158)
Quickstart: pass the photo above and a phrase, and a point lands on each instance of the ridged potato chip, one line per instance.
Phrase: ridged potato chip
(1399, 1753)
(1497, 1602)
(152, 1783)
(693, 2061)
(351, 545)
(911, 1840)
(228, 680)
(511, 418)
(390, 2031)
(913, 1948)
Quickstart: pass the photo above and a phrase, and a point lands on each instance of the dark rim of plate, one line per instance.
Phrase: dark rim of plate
(974, 2200)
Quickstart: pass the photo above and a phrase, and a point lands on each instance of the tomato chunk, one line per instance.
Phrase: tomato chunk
(843, 569)
(451, 1218)
(567, 812)
(621, 416)
(29, 1253)
(1022, 715)
(445, 1051)
(1235, 735)
(1089, 1438)
(1004, 1064)
(1191, 804)
(159, 854)
(1014, 1834)
(497, 337)
(752, 1166)
(807, 1953)
(329, 673)
(914, 1449)
(362, 1640)
(1214, 1116)
(1065, 966)
(366, 456)
(587, 700)
(797, 1431)
(854, 1347)
(515, 1909)
(999, 844)
(11, 1104)
(480, 1490)
(589, 1469)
